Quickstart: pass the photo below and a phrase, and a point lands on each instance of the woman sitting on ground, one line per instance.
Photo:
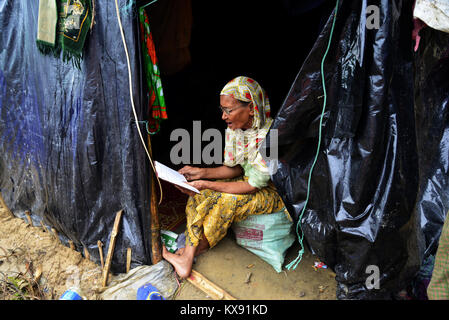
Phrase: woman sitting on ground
(239, 188)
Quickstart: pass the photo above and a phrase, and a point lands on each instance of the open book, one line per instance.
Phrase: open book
(170, 175)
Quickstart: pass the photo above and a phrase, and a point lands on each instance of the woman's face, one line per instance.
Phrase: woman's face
(240, 116)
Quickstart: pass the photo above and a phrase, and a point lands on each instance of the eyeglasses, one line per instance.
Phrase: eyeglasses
(228, 111)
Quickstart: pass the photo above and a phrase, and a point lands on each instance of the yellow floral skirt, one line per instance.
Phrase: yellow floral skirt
(211, 213)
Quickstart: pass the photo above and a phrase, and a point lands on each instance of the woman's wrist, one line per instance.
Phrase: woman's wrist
(204, 173)
(207, 184)
(234, 187)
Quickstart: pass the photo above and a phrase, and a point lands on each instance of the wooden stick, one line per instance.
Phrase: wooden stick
(72, 246)
(248, 277)
(53, 230)
(28, 214)
(128, 260)
(86, 254)
(111, 248)
(156, 247)
(100, 249)
(208, 287)
(43, 226)
(37, 275)
(3, 204)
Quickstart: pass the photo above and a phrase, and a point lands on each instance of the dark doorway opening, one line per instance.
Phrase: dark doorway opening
(267, 41)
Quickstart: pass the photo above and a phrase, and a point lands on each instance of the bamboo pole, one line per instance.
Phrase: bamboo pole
(156, 248)
(53, 230)
(111, 248)
(128, 260)
(28, 215)
(100, 249)
(86, 254)
(208, 287)
(43, 226)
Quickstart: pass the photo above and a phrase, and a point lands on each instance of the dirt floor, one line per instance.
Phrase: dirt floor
(229, 265)
(28, 252)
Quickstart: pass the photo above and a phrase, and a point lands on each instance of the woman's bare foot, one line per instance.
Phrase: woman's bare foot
(182, 263)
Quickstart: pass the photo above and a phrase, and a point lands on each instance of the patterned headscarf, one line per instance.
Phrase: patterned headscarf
(242, 145)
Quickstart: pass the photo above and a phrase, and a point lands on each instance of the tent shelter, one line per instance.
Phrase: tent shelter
(71, 154)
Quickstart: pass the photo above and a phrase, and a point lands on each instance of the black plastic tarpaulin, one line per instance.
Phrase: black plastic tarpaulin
(378, 190)
(69, 151)
(432, 128)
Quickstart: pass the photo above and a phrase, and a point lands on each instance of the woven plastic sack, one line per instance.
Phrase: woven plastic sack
(268, 236)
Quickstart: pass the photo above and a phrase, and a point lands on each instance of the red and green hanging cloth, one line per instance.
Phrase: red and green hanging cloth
(156, 102)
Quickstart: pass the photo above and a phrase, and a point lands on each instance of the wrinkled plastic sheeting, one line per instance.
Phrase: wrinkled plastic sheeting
(70, 152)
(124, 286)
(360, 218)
(432, 128)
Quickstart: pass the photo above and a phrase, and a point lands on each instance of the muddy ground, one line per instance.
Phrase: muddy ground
(29, 251)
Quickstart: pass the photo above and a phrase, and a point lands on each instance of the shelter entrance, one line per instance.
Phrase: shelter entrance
(201, 45)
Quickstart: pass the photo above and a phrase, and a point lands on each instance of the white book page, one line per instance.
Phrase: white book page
(170, 175)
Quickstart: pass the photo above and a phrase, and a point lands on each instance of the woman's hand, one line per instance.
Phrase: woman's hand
(184, 190)
(233, 187)
(192, 173)
(198, 184)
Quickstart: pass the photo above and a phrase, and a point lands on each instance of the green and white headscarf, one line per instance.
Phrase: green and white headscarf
(241, 146)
